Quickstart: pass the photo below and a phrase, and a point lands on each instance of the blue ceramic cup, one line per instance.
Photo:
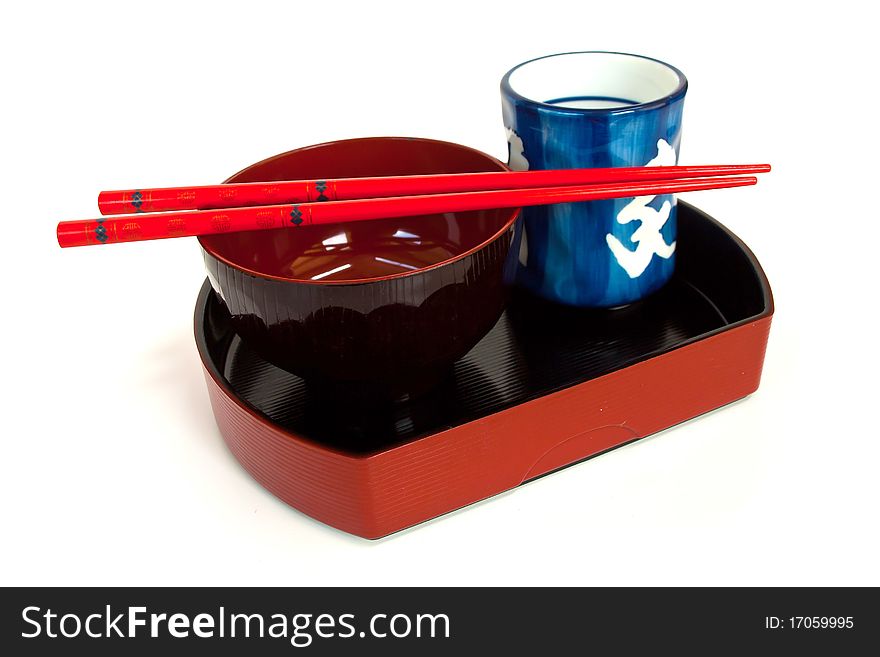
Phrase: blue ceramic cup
(595, 109)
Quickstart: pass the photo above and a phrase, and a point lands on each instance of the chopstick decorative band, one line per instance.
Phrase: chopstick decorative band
(310, 191)
(180, 224)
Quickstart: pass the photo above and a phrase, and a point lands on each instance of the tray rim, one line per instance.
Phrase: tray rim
(213, 370)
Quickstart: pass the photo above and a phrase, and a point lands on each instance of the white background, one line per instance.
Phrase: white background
(113, 471)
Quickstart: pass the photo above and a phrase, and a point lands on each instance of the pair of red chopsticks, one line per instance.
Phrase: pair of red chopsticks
(188, 211)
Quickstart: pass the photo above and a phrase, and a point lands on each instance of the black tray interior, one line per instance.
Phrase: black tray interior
(535, 348)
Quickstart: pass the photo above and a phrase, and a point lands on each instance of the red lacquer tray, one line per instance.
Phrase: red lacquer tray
(549, 386)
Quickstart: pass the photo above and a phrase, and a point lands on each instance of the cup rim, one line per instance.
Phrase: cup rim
(674, 95)
(510, 220)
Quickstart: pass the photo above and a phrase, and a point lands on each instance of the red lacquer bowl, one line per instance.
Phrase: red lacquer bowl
(394, 300)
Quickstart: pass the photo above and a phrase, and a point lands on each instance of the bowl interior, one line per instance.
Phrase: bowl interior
(362, 250)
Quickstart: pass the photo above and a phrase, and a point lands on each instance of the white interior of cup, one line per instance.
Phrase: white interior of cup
(594, 80)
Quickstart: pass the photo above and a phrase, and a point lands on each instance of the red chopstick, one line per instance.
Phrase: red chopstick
(181, 224)
(307, 191)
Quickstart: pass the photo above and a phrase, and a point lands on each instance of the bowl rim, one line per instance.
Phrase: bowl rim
(514, 215)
